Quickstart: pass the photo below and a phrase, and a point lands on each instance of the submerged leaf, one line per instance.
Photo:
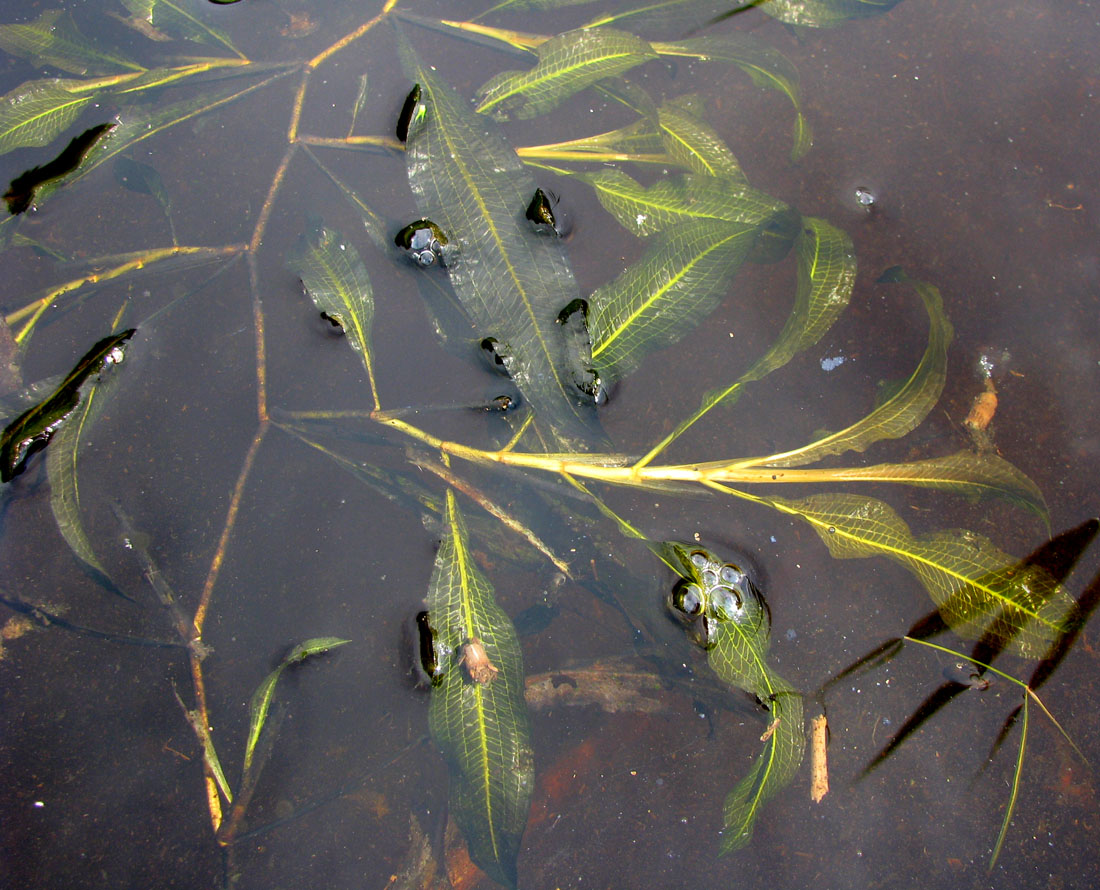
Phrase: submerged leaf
(567, 64)
(53, 41)
(260, 704)
(897, 415)
(667, 293)
(674, 201)
(336, 280)
(35, 113)
(980, 592)
(724, 608)
(824, 13)
(479, 722)
(511, 280)
(767, 67)
(32, 430)
(174, 18)
(691, 141)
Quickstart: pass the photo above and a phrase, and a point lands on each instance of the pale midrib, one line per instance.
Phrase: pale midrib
(499, 242)
(530, 83)
(659, 293)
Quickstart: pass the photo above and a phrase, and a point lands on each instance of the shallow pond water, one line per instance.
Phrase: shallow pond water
(973, 128)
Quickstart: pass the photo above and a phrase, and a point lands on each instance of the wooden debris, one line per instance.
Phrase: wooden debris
(819, 763)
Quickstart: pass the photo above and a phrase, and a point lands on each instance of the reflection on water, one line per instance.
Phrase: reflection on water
(952, 140)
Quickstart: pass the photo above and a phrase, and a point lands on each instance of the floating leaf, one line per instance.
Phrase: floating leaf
(260, 703)
(897, 415)
(336, 280)
(980, 592)
(35, 113)
(481, 727)
(32, 430)
(53, 41)
(667, 293)
(567, 64)
(511, 280)
(678, 200)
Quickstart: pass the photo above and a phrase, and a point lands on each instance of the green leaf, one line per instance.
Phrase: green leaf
(768, 68)
(691, 142)
(481, 728)
(61, 466)
(260, 704)
(567, 64)
(36, 112)
(681, 278)
(174, 18)
(980, 592)
(336, 280)
(737, 628)
(971, 474)
(824, 13)
(35, 428)
(53, 41)
(826, 276)
(678, 200)
(511, 280)
(774, 768)
(900, 413)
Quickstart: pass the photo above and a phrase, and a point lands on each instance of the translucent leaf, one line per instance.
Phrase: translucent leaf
(35, 113)
(774, 768)
(260, 704)
(767, 67)
(690, 140)
(52, 40)
(336, 280)
(174, 18)
(739, 636)
(681, 278)
(824, 13)
(677, 200)
(481, 727)
(511, 280)
(980, 592)
(899, 414)
(567, 64)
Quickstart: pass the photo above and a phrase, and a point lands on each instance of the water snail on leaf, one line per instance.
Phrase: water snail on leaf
(429, 656)
(475, 660)
(424, 242)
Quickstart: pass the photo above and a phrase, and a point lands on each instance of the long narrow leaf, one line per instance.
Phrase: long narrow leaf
(480, 726)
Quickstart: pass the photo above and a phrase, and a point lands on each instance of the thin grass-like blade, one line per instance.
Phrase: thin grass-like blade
(767, 67)
(53, 41)
(681, 279)
(336, 280)
(567, 64)
(259, 706)
(512, 281)
(36, 112)
(481, 727)
(900, 413)
(980, 592)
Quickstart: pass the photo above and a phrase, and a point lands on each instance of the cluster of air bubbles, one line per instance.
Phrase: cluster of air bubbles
(992, 363)
(865, 197)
